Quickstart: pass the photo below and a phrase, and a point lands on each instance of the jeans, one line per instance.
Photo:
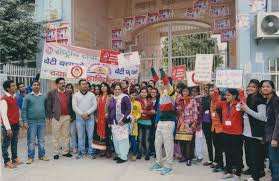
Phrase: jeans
(73, 134)
(144, 135)
(274, 159)
(82, 127)
(36, 130)
(134, 145)
(6, 142)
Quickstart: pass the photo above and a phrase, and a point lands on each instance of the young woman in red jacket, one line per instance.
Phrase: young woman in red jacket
(232, 128)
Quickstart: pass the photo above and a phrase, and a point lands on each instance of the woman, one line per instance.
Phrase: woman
(232, 128)
(119, 119)
(154, 94)
(217, 133)
(97, 90)
(73, 128)
(272, 126)
(254, 123)
(102, 137)
(145, 124)
(187, 111)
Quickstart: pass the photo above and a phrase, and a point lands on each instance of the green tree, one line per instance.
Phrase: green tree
(19, 33)
(189, 46)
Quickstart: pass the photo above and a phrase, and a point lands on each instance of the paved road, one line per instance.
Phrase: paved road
(101, 169)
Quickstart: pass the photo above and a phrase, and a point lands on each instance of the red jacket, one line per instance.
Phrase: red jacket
(231, 118)
(146, 108)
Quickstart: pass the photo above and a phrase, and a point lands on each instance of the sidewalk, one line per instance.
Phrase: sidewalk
(101, 169)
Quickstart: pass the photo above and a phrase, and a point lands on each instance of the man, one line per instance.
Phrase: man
(10, 128)
(125, 86)
(166, 125)
(21, 95)
(59, 112)
(34, 116)
(84, 104)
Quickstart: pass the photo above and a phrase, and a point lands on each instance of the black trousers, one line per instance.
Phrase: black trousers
(188, 149)
(218, 142)
(257, 156)
(152, 137)
(247, 152)
(233, 151)
(6, 142)
(206, 128)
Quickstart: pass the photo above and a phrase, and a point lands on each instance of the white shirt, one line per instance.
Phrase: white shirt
(39, 94)
(4, 111)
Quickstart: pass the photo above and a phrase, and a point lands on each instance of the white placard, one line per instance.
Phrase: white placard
(203, 68)
(189, 77)
(128, 59)
(229, 78)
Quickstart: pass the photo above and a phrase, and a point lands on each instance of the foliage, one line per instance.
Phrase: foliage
(190, 45)
(19, 33)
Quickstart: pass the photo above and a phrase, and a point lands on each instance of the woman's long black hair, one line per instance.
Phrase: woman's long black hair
(254, 100)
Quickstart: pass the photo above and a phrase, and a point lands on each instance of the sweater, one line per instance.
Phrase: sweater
(136, 109)
(146, 116)
(34, 108)
(272, 124)
(84, 103)
(167, 98)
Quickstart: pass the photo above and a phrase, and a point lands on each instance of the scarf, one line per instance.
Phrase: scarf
(118, 100)
(101, 115)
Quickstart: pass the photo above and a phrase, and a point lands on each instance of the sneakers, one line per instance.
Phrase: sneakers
(29, 161)
(227, 176)
(44, 158)
(10, 165)
(17, 162)
(139, 157)
(116, 158)
(56, 157)
(166, 171)
(156, 167)
(189, 163)
(120, 161)
(80, 156)
(133, 158)
(67, 155)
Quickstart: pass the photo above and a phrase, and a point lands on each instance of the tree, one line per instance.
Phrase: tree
(19, 34)
(199, 43)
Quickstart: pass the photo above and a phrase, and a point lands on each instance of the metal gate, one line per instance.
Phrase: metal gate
(173, 43)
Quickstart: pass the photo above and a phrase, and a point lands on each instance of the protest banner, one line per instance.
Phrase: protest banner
(178, 72)
(190, 76)
(229, 78)
(109, 56)
(59, 60)
(203, 68)
(128, 59)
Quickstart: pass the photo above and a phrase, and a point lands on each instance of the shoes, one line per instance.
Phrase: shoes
(56, 157)
(80, 156)
(139, 157)
(217, 169)
(227, 176)
(213, 165)
(120, 161)
(133, 158)
(44, 158)
(182, 161)
(29, 161)
(67, 155)
(207, 163)
(189, 163)
(10, 165)
(93, 157)
(166, 171)
(156, 167)
(147, 158)
(197, 161)
(103, 154)
(17, 161)
(247, 172)
(116, 158)
(108, 155)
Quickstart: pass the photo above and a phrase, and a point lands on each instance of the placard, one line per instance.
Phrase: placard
(128, 59)
(178, 72)
(190, 79)
(229, 78)
(140, 21)
(203, 68)
(152, 17)
(117, 44)
(129, 23)
(109, 57)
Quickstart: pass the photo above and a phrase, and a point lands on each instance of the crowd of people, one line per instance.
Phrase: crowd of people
(150, 119)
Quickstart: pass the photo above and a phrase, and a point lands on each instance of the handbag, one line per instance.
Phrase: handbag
(120, 132)
(183, 136)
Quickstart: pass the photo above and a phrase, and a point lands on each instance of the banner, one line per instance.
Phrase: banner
(128, 59)
(203, 68)
(165, 14)
(190, 79)
(71, 62)
(58, 32)
(116, 34)
(109, 56)
(178, 72)
(129, 23)
(229, 78)
(152, 17)
(219, 10)
(140, 21)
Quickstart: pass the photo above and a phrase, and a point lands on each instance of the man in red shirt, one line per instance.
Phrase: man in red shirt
(59, 112)
(10, 126)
